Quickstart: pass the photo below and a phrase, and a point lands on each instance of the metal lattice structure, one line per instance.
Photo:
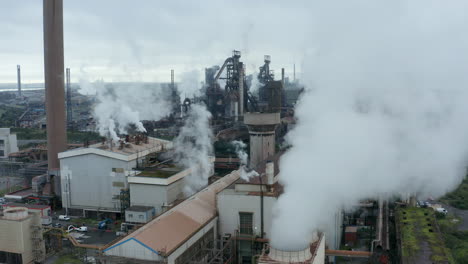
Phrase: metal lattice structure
(37, 242)
(219, 251)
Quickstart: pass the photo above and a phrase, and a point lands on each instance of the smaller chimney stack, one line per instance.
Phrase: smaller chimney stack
(18, 73)
(172, 79)
(282, 76)
(294, 76)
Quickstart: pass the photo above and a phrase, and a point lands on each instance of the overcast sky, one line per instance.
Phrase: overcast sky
(119, 40)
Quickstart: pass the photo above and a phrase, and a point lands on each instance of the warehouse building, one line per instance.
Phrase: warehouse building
(93, 178)
(176, 236)
(159, 186)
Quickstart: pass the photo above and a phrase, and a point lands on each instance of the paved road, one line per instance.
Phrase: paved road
(93, 236)
(463, 214)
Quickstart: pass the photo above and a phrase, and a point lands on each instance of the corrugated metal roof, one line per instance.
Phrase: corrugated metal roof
(170, 230)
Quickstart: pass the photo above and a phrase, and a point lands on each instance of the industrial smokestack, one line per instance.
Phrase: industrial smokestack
(241, 89)
(294, 75)
(282, 76)
(172, 79)
(54, 81)
(18, 73)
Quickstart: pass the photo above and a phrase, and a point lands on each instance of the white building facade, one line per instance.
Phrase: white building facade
(8, 143)
(92, 178)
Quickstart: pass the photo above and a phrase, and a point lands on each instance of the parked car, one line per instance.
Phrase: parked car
(64, 218)
(79, 229)
(441, 210)
(57, 225)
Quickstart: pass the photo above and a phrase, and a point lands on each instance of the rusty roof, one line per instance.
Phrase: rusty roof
(170, 230)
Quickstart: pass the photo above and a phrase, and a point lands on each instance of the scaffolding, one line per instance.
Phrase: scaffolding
(219, 251)
(37, 241)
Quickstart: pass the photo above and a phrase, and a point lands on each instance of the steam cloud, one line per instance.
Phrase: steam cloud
(255, 84)
(385, 111)
(243, 160)
(190, 84)
(193, 148)
(121, 105)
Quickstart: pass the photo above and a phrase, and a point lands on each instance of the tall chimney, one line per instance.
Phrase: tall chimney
(18, 74)
(172, 79)
(241, 90)
(54, 80)
(282, 76)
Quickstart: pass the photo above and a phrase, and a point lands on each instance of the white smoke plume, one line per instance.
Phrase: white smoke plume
(194, 148)
(255, 84)
(243, 160)
(385, 111)
(189, 84)
(121, 105)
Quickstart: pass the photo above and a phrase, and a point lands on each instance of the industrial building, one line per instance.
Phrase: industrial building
(139, 214)
(21, 239)
(245, 211)
(159, 186)
(180, 235)
(93, 178)
(44, 211)
(8, 143)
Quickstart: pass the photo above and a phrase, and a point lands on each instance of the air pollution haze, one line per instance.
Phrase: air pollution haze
(385, 111)
(193, 148)
(120, 106)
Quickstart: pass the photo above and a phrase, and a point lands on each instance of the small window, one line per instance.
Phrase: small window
(130, 215)
(246, 223)
(140, 216)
